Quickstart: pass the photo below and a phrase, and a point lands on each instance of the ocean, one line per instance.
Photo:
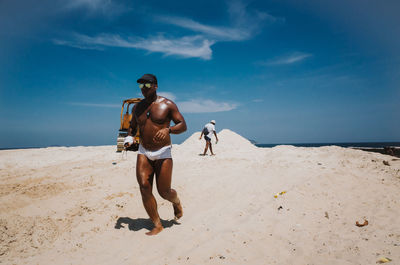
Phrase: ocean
(355, 144)
(362, 144)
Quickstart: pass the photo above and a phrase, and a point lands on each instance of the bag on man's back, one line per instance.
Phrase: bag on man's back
(205, 131)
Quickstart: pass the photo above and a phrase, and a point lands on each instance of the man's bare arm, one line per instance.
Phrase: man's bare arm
(177, 118)
(132, 128)
(133, 125)
(216, 137)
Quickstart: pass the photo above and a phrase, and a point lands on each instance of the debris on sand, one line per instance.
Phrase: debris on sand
(363, 224)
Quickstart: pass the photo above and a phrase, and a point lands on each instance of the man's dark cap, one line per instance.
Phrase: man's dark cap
(147, 78)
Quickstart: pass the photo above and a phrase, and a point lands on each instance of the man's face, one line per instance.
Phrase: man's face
(148, 89)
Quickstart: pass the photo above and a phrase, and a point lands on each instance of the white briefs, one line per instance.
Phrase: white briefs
(162, 153)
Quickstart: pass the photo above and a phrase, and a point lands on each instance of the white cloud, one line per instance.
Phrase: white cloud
(187, 46)
(166, 94)
(258, 100)
(288, 59)
(245, 23)
(244, 18)
(73, 44)
(204, 106)
(103, 7)
(90, 4)
(97, 105)
(191, 106)
(220, 33)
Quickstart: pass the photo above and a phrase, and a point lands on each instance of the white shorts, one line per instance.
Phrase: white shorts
(162, 153)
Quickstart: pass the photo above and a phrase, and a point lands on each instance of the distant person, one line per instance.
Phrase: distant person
(153, 116)
(208, 129)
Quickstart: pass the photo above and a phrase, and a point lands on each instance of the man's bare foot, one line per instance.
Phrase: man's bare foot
(155, 231)
(178, 211)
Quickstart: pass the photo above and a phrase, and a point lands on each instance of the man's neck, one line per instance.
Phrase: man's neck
(152, 98)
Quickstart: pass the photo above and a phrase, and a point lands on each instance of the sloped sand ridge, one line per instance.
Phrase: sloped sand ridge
(230, 144)
(230, 140)
(227, 140)
(93, 212)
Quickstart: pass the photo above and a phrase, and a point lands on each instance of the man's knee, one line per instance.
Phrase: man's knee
(145, 187)
(165, 193)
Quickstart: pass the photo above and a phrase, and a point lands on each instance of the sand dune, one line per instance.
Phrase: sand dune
(82, 205)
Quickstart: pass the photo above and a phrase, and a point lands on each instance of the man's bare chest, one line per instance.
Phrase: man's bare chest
(157, 112)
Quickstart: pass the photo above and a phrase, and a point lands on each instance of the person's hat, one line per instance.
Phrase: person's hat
(213, 122)
(147, 78)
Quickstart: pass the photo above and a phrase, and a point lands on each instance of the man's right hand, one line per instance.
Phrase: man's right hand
(129, 140)
(126, 145)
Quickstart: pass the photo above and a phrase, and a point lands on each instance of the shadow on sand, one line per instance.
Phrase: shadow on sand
(141, 223)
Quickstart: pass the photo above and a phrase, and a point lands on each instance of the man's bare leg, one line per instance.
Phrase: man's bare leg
(163, 170)
(206, 148)
(211, 149)
(144, 175)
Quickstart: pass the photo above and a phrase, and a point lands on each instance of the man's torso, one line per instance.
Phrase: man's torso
(151, 118)
(210, 129)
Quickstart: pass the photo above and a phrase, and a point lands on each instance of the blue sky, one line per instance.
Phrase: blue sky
(277, 71)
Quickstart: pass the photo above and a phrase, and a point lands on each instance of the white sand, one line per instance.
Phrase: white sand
(74, 206)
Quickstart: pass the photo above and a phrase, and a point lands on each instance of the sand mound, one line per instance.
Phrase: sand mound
(229, 141)
(232, 140)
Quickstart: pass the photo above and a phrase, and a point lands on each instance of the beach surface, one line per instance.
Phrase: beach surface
(246, 205)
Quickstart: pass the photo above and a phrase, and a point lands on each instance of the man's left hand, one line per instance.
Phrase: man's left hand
(161, 135)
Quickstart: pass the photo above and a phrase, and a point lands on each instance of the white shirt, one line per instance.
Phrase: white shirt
(210, 128)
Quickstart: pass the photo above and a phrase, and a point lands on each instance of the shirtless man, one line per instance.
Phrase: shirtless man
(153, 116)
